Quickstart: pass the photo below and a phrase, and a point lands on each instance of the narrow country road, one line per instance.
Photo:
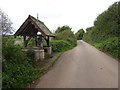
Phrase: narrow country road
(82, 67)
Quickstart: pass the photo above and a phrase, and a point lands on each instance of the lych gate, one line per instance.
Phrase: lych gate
(34, 28)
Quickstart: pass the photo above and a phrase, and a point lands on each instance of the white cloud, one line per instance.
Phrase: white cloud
(76, 13)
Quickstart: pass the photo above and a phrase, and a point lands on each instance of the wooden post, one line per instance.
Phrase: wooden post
(36, 41)
(25, 41)
(48, 41)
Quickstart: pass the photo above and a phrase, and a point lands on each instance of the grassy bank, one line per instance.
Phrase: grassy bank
(109, 46)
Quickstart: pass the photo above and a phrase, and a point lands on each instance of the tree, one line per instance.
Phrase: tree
(79, 34)
(65, 33)
(105, 33)
(107, 22)
(106, 25)
(63, 28)
(5, 24)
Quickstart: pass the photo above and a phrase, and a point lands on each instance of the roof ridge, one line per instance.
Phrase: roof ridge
(35, 19)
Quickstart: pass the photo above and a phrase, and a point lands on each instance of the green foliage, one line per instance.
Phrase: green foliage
(31, 43)
(31, 55)
(19, 41)
(110, 46)
(17, 71)
(88, 37)
(10, 51)
(65, 33)
(64, 39)
(17, 75)
(19, 37)
(79, 34)
(63, 28)
(60, 45)
(107, 24)
(105, 32)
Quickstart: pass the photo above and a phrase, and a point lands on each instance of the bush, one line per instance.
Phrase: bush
(31, 43)
(17, 71)
(110, 46)
(11, 51)
(60, 45)
(66, 35)
(64, 39)
(18, 75)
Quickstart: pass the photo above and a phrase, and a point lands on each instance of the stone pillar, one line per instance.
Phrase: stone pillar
(49, 50)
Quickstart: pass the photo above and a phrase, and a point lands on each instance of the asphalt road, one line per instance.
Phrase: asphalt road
(82, 67)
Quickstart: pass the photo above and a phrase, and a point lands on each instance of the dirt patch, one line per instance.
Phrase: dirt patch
(42, 63)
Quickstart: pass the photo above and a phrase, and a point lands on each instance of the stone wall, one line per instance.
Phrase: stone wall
(39, 54)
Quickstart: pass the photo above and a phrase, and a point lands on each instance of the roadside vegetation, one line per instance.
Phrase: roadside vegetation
(17, 69)
(64, 39)
(79, 34)
(105, 33)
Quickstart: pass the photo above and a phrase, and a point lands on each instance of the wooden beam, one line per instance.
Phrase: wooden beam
(22, 26)
(38, 28)
(25, 28)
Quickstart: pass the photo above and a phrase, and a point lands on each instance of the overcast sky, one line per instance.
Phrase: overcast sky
(75, 13)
